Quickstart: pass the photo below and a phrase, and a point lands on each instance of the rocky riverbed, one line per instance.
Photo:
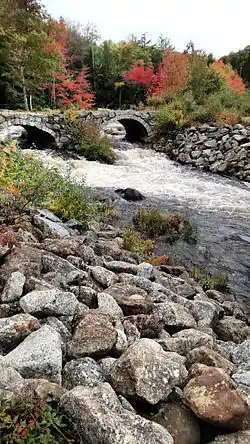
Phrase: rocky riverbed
(219, 207)
(133, 353)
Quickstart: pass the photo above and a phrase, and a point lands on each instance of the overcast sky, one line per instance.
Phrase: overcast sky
(217, 26)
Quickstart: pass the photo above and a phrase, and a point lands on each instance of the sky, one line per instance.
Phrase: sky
(217, 26)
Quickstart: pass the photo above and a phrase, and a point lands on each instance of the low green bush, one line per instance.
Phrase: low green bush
(107, 213)
(25, 183)
(90, 143)
(33, 423)
(150, 222)
(173, 226)
(169, 118)
(133, 241)
(209, 281)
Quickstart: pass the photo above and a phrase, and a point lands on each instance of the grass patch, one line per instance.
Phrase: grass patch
(209, 281)
(25, 183)
(89, 142)
(133, 241)
(34, 422)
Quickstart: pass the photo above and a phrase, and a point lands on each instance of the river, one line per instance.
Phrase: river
(218, 206)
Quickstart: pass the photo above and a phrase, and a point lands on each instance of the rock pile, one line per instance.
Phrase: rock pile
(223, 150)
(136, 354)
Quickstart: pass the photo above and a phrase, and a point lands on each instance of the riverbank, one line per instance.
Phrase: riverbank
(219, 207)
(92, 328)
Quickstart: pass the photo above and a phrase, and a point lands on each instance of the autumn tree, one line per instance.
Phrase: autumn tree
(172, 75)
(203, 80)
(27, 62)
(231, 77)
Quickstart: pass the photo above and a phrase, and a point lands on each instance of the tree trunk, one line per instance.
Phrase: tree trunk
(25, 97)
(31, 105)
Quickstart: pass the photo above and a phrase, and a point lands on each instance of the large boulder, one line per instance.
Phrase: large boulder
(149, 325)
(232, 329)
(104, 277)
(13, 288)
(26, 260)
(121, 267)
(52, 302)
(205, 355)
(107, 304)
(211, 396)
(174, 316)
(242, 437)
(206, 313)
(39, 355)
(145, 373)
(130, 194)
(131, 299)
(15, 328)
(180, 422)
(84, 371)
(94, 336)
(185, 340)
(100, 418)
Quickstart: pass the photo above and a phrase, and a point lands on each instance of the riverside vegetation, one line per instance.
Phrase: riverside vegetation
(100, 340)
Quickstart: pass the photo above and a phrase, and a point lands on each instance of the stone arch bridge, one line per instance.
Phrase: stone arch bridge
(51, 129)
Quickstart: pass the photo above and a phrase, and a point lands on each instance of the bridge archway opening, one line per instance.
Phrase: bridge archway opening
(35, 137)
(135, 130)
(30, 136)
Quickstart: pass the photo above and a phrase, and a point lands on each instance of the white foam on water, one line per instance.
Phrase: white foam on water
(155, 175)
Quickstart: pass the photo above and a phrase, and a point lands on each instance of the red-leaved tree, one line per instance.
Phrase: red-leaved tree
(70, 90)
(172, 75)
(231, 77)
(141, 75)
(67, 88)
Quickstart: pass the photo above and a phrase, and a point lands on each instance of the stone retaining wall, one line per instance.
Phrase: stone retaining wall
(224, 150)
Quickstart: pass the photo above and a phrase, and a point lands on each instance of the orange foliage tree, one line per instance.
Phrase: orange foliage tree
(172, 76)
(231, 77)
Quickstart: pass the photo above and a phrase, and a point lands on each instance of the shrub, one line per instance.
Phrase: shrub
(133, 242)
(169, 118)
(107, 213)
(174, 225)
(208, 281)
(150, 222)
(90, 143)
(26, 182)
(33, 422)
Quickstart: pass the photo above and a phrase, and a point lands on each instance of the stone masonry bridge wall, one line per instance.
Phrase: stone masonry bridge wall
(141, 125)
(224, 150)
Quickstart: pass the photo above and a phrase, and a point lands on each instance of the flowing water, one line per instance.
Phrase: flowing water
(218, 206)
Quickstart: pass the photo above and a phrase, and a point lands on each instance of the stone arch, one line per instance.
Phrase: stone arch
(38, 132)
(137, 129)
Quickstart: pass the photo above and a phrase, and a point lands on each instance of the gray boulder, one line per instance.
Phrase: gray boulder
(145, 270)
(107, 304)
(49, 303)
(143, 372)
(39, 355)
(100, 418)
(206, 313)
(104, 277)
(175, 317)
(15, 328)
(13, 288)
(242, 437)
(121, 267)
(231, 329)
(85, 372)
